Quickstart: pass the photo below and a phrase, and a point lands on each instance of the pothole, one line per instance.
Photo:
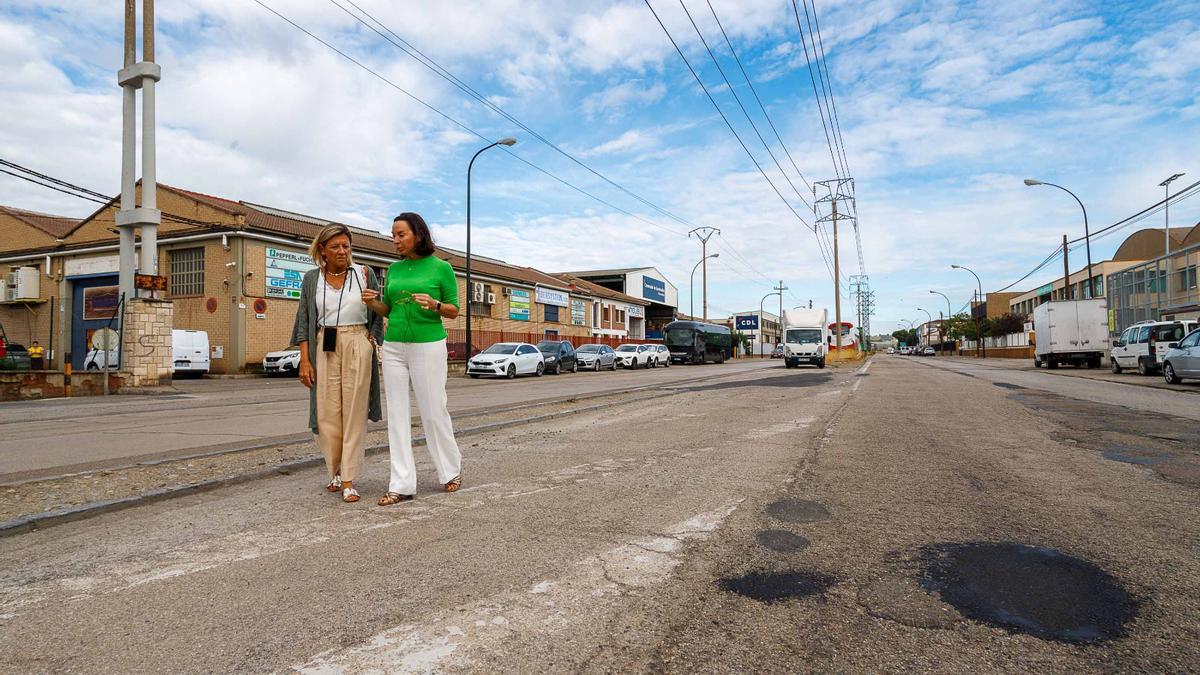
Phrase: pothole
(1028, 589)
(771, 587)
(782, 541)
(1118, 452)
(798, 511)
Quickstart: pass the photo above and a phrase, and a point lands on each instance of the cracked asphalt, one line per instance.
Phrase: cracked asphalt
(894, 517)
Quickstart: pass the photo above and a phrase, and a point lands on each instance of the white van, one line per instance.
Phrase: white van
(1144, 344)
(189, 351)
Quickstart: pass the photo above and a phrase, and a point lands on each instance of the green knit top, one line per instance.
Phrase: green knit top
(408, 321)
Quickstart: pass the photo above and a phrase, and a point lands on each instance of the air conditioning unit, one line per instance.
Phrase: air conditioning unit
(491, 298)
(506, 291)
(477, 292)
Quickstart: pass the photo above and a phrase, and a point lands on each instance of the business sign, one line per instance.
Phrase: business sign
(101, 302)
(285, 273)
(654, 289)
(578, 313)
(748, 322)
(150, 282)
(637, 311)
(1045, 290)
(547, 296)
(518, 305)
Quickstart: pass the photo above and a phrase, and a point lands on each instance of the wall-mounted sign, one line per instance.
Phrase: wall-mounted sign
(150, 282)
(1045, 290)
(217, 351)
(100, 265)
(578, 313)
(654, 289)
(518, 305)
(285, 273)
(100, 302)
(260, 306)
(746, 322)
(547, 296)
(210, 305)
(637, 311)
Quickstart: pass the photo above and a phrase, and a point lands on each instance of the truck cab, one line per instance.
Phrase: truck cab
(806, 337)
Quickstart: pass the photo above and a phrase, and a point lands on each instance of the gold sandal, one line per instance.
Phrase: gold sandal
(454, 484)
(335, 485)
(390, 498)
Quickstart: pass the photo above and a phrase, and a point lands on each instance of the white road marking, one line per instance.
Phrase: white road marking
(547, 607)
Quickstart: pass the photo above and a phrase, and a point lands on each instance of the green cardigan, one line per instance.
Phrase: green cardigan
(305, 330)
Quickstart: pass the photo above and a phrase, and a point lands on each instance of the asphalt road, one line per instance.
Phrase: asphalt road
(39, 438)
(901, 517)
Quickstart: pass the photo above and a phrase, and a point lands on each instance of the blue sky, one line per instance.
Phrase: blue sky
(944, 108)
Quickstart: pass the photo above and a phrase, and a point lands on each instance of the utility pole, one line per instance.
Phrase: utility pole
(704, 233)
(835, 191)
(138, 75)
(781, 289)
(1066, 273)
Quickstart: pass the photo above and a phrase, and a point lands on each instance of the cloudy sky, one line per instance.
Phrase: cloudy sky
(944, 108)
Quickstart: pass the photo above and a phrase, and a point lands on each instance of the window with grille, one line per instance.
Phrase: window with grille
(187, 271)
(551, 313)
(480, 309)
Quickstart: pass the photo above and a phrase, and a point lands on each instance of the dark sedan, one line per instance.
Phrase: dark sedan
(559, 355)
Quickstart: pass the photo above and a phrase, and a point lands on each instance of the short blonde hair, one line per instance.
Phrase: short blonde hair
(328, 232)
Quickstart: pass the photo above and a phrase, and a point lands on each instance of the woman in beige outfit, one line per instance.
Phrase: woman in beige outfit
(337, 334)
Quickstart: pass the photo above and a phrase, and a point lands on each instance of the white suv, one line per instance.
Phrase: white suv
(1143, 345)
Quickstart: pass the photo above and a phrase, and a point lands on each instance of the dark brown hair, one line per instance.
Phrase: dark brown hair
(420, 230)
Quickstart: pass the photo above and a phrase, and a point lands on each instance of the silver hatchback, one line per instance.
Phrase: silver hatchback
(1182, 359)
(596, 357)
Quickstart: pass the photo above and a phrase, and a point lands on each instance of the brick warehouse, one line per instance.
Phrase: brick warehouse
(230, 266)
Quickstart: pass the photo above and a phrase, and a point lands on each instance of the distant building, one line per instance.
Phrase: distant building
(644, 283)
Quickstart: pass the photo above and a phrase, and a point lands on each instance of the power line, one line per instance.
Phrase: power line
(827, 83)
(463, 126)
(722, 114)
(408, 48)
(816, 94)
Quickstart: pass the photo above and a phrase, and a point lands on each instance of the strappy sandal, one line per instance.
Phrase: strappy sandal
(335, 485)
(454, 484)
(349, 495)
(393, 498)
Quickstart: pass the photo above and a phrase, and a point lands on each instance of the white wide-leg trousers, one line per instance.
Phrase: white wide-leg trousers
(423, 364)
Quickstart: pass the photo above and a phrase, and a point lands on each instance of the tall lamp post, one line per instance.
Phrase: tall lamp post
(978, 323)
(1087, 237)
(692, 285)
(503, 141)
(930, 317)
(1166, 185)
(760, 318)
(949, 312)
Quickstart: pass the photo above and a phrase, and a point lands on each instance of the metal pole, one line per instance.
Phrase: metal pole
(128, 150)
(470, 165)
(837, 286)
(149, 252)
(704, 277)
(1066, 273)
(761, 324)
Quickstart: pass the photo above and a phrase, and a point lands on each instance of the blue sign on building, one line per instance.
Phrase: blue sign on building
(654, 289)
(748, 322)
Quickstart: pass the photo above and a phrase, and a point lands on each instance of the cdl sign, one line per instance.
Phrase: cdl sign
(749, 322)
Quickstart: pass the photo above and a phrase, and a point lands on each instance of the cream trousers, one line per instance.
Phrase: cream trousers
(343, 396)
(423, 365)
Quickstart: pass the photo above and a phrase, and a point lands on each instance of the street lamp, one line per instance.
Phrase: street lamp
(692, 285)
(949, 311)
(503, 141)
(1087, 237)
(930, 317)
(978, 323)
(1166, 185)
(760, 318)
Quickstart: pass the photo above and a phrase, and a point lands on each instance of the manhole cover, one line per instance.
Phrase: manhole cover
(1029, 589)
(782, 541)
(797, 511)
(773, 587)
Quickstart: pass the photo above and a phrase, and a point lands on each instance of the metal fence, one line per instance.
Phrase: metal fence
(1155, 289)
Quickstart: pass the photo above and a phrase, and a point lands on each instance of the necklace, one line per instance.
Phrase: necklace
(336, 274)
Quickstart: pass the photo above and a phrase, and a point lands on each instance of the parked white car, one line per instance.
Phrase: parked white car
(189, 351)
(95, 360)
(662, 356)
(284, 362)
(507, 359)
(596, 357)
(1183, 359)
(1144, 345)
(634, 356)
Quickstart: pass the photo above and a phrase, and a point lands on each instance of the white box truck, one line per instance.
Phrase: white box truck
(805, 337)
(1070, 331)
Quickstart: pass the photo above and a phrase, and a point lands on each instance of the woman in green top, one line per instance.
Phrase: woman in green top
(419, 291)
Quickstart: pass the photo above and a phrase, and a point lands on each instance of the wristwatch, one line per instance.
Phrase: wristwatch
(438, 308)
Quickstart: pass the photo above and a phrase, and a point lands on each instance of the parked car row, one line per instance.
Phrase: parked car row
(913, 351)
(510, 359)
(1169, 347)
